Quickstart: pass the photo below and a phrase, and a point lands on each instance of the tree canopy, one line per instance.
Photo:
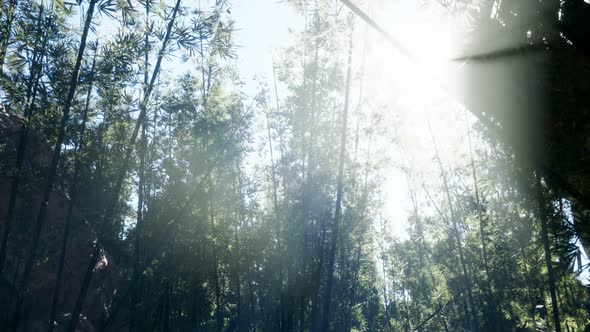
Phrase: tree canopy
(145, 187)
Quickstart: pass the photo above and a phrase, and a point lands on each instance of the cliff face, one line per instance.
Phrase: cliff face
(37, 302)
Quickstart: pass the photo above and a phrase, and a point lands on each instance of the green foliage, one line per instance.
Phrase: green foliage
(236, 198)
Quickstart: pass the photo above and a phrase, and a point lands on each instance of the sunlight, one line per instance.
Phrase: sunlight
(413, 92)
(426, 31)
(282, 165)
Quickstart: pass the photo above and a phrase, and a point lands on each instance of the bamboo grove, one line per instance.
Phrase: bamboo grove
(144, 190)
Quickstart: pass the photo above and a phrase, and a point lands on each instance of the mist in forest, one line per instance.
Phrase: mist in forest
(294, 165)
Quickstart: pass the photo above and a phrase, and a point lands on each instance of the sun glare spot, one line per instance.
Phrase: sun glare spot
(414, 93)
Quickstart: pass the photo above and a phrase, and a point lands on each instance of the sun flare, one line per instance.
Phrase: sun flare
(412, 90)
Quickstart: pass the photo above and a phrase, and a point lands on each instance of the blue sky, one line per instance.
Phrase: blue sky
(262, 31)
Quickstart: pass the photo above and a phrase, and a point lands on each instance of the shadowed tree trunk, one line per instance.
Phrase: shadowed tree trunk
(473, 319)
(307, 184)
(41, 214)
(32, 87)
(543, 218)
(215, 274)
(352, 295)
(339, 195)
(278, 228)
(135, 298)
(110, 213)
(491, 305)
(317, 281)
(79, 149)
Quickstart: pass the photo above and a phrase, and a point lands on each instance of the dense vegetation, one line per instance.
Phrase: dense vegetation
(220, 211)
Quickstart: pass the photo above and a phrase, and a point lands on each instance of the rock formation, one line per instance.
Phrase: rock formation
(37, 302)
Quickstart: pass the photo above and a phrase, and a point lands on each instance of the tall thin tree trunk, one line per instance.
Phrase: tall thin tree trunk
(213, 234)
(406, 312)
(526, 278)
(384, 266)
(74, 198)
(32, 86)
(308, 176)
(278, 228)
(543, 218)
(279, 131)
(41, 215)
(71, 327)
(301, 319)
(251, 293)
(491, 305)
(109, 214)
(250, 279)
(133, 319)
(473, 319)
(135, 296)
(317, 282)
(339, 195)
(238, 286)
(166, 324)
(206, 85)
(352, 295)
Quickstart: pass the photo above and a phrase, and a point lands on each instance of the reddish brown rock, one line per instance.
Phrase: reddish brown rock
(37, 302)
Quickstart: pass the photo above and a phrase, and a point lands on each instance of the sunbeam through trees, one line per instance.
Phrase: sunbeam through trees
(295, 165)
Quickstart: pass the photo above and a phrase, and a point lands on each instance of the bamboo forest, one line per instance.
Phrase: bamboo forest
(294, 165)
